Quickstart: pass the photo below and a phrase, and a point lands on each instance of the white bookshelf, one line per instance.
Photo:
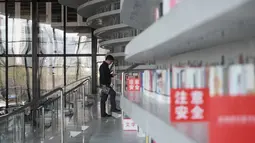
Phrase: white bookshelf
(152, 116)
(194, 25)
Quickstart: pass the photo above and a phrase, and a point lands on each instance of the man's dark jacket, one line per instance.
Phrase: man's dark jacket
(105, 74)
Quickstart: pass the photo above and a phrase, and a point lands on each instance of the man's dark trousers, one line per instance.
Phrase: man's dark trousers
(104, 98)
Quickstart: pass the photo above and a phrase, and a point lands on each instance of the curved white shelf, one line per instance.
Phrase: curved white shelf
(152, 115)
(121, 54)
(140, 67)
(116, 41)
(111, 28)
(87, 9)
(105, 14)
(193, 25)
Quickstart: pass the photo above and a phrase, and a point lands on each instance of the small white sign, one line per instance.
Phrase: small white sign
(129, 125)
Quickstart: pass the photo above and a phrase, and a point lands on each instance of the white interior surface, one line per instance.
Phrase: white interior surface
(193, 25)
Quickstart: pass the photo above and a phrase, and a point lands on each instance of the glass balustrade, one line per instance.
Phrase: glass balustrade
(57, 111)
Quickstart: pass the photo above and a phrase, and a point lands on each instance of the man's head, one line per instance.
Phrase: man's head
(109, 59)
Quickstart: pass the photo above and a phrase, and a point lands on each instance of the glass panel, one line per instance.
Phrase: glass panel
(72, 69)
(77, 68)
(11, 9)
(19, 80)
(51, 73)
(100, 59)
(56, 9)
(2, 85)
(19, 36)
(25, 10)
(42, 11)
(84, 67)
(51, 40)
(2, 28)
(72, 43)
(13, 129)
(71, 14)
(83, 46)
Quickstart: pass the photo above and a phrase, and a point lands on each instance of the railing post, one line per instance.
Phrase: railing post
(83, 96)
(53, 117)
(43, 123)
(122, 83)
(23, 138)
(83, 102)
(75, 106)
(62, 117)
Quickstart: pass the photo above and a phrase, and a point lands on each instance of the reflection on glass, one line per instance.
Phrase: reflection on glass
(51, 73)
(72, 43)
(42, 12)
(50, 40)
(19, 80)
(25, 10)
(19, 36)
(84, 67)
(2, 82)
(72, 14)
(77, 68)
(57, 14)
(2, 28)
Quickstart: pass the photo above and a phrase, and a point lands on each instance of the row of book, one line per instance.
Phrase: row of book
(231, 80)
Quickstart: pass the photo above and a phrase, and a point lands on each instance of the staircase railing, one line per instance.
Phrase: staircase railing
(21, 125)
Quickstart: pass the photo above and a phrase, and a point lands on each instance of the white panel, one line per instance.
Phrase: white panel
(194, 25)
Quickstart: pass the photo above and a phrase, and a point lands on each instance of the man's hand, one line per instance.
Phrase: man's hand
(113, 74)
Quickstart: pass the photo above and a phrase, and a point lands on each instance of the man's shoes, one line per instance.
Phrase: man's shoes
(106, 115)
(116, 110)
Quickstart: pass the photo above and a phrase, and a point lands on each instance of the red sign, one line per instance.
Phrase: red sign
(172, 3)
(232, 119)
(133, 84)
(189, 105)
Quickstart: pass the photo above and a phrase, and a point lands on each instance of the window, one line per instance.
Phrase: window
(116, 6)
(56, 12)
(42, 11)
(71, 15)
(11, 9)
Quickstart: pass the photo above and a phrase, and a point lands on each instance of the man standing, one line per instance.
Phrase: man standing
(105, 82)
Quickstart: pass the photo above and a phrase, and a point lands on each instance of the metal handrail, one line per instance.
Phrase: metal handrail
(21, 109)
(63, 92)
